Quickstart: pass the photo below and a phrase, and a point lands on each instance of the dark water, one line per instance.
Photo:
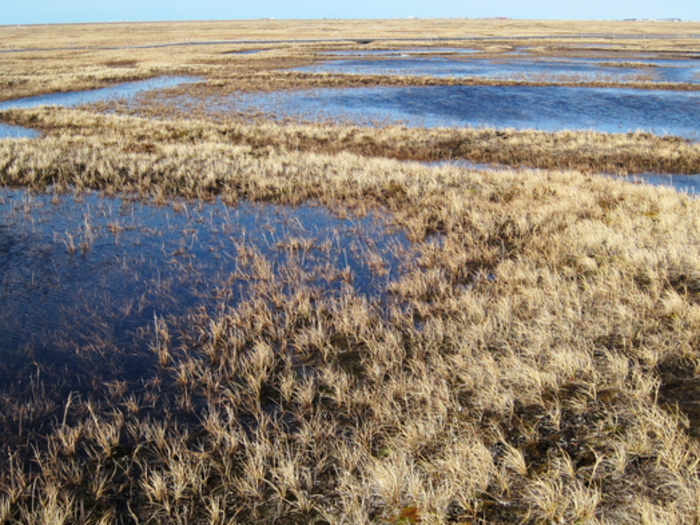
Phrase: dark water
(544, 108)
(77, 98)
(83, 280)
(16, 132)
(533, 69)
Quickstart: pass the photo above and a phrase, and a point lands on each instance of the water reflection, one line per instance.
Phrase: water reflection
(16, 132)
(76, 98)
(683, 183)
(532, 69)
(415, 51)
(88, 275)
(550, 108)
(686, 183)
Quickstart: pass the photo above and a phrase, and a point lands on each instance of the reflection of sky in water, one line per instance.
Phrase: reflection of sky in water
(577, 69)
(548, 108)
(398, 52)
(76, 98)
(687, 183)
(15, 132)
(138, 260)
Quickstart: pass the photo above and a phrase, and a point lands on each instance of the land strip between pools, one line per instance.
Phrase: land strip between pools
(588, 152)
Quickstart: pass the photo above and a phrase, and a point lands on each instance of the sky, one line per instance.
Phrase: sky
(66, 11)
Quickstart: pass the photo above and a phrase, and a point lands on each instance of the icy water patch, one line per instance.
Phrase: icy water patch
(537, 69)
(76, 98)
(85, 279)
(17, 132)
(550, 108)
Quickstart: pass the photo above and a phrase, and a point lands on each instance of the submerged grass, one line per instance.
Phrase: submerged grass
(537, 363)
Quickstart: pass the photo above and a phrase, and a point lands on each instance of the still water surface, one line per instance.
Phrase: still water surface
(16, 132)
(76, 98)
(82, 279)
(549, 108)
(533, 69)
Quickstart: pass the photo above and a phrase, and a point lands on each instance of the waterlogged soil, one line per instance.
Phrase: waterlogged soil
(85, 279)
(547, 108)
(548, 69)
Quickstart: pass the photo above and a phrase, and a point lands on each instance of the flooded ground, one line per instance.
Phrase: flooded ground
(16, 132)
(77, 98)
(685, 183)
(85, 280)
(544, 108)
(525, 69)
(417, 51)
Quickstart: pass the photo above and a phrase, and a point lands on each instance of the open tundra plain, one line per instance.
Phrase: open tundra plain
(400, 272)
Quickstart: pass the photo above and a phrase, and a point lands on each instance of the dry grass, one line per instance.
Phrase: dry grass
(588, 152)
(149, 33)
(82, 56)
(537, 364)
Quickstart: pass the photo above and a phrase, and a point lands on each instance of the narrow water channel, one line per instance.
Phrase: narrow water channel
(126, 91)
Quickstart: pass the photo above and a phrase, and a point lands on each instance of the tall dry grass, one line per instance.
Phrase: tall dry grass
(588, 152)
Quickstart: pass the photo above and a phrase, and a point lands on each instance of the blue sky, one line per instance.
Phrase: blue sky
(51, 11)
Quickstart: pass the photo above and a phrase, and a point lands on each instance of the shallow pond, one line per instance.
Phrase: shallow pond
(76, 98)
(84, 280)
(16, 132)
(416, 51)
(549, 108)
(530, 69)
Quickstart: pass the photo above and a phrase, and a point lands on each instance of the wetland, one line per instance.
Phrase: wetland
(230, 298)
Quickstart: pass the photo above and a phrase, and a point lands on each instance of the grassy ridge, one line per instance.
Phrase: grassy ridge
(588, 152)
(536, 364)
